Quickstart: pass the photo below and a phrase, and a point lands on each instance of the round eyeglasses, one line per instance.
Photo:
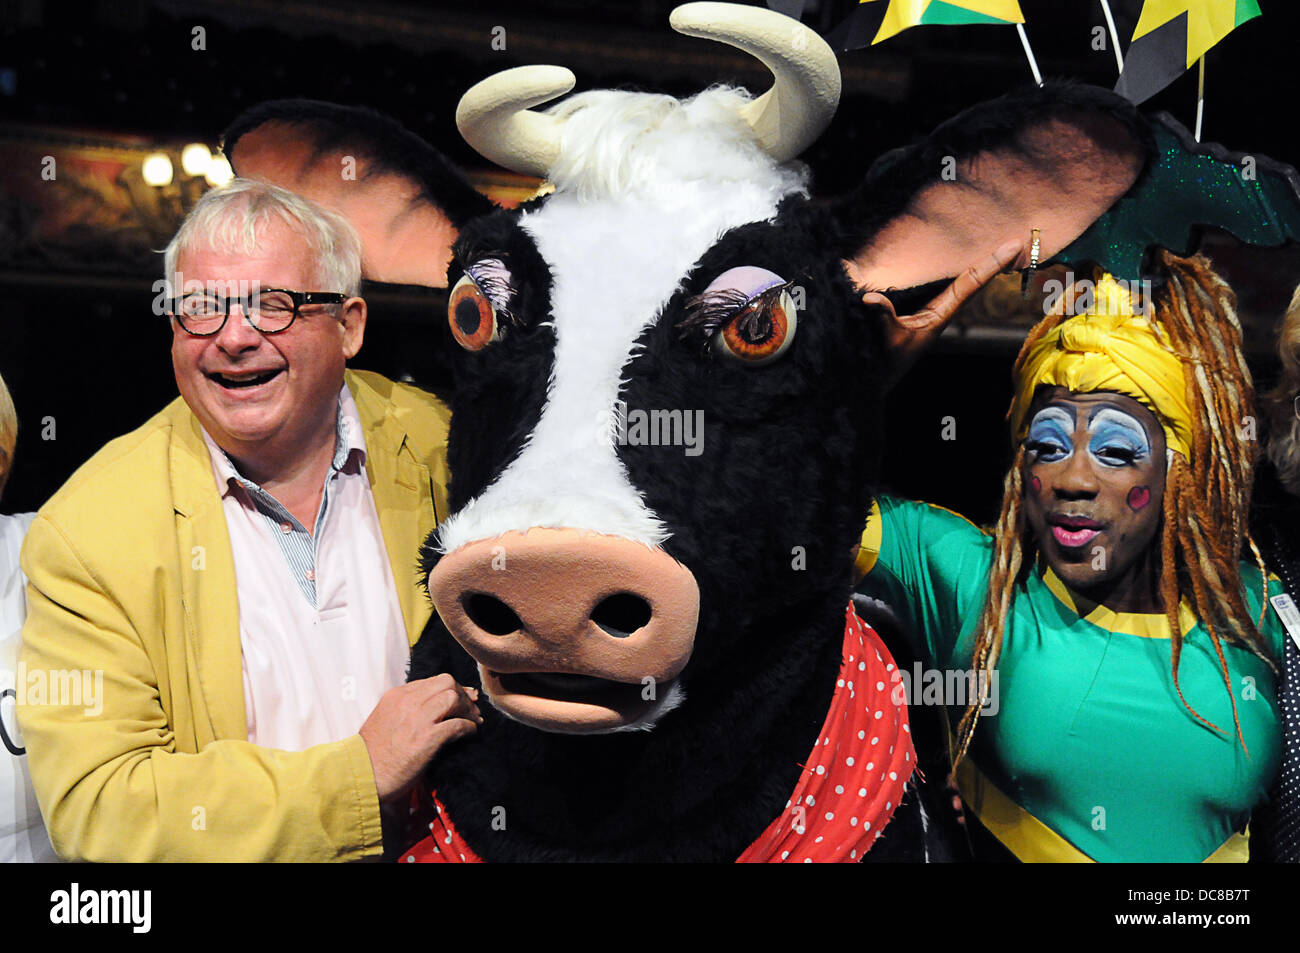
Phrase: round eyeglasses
(270, 310)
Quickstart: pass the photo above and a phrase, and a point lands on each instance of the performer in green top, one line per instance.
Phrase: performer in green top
(1126, 657)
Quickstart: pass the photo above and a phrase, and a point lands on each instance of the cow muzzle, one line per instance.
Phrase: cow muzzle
(573, 632)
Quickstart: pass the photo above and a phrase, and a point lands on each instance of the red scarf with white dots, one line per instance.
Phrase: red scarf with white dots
(850, 786)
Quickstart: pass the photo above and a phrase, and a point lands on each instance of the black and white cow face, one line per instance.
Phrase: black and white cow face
(753, 473)
(554, 572)
(666, 373)
(603, 416)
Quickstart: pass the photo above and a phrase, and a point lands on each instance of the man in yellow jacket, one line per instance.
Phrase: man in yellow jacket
(221, 602)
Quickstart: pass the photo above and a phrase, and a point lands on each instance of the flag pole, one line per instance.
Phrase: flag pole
(1033, 64)
(1114, 36)
(1200, 97)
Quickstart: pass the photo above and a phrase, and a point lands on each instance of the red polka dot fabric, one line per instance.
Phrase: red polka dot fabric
(851, 784)
(854, 778)
(442, 845)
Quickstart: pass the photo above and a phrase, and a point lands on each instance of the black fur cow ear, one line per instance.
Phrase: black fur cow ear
(1053, 159)
(404, 198)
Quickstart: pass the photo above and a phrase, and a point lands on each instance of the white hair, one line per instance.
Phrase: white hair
(229, 219)
(614, 144)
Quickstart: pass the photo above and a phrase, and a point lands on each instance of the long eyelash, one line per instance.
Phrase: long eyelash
(708, 312)
(498, 286)
(705, 314)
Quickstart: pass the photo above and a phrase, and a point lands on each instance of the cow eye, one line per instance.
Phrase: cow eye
(762, 330)
(472, 316)
(746, 314)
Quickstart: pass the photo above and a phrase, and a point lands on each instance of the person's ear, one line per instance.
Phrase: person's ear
(352, 318)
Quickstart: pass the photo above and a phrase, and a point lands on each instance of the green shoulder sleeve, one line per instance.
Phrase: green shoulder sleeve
(930, 565)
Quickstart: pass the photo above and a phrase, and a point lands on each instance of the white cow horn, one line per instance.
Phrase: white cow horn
(793, 113)
(495, 117)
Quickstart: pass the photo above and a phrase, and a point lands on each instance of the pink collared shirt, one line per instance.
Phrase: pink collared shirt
(313, 673)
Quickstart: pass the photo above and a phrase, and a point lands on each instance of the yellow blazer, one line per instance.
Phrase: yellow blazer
(132, 581)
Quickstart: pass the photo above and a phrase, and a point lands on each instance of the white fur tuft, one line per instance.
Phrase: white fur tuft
(619, 144)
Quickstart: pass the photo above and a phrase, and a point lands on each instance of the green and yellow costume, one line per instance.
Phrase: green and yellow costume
(1085, 750)
(1090, 755)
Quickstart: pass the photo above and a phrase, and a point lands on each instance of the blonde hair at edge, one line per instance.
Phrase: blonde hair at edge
(8, 433)
(1207, 494)
(229, 219)
(1284, 430)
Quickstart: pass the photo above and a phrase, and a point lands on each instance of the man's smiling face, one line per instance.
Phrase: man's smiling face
(1094, 485)
(261, 395)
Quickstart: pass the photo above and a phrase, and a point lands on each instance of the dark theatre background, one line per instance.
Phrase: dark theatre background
(99, 86)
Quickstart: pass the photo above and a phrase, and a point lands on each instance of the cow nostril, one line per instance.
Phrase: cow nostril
(491, 614)
(621, 614)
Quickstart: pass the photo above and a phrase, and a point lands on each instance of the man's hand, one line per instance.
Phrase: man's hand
(908, 335)
(410, 725)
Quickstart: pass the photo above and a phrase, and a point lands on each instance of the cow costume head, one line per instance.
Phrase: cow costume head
(667, 373)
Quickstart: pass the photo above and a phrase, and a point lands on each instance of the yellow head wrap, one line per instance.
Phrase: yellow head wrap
(1109, 348)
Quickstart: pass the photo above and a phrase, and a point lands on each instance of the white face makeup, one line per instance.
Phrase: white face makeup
(1115, 438)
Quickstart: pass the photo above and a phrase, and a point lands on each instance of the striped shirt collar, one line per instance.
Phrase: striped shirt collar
(349, 443)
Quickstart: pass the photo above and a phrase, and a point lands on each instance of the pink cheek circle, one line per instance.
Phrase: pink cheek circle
(1138, 498)
(1035, 484)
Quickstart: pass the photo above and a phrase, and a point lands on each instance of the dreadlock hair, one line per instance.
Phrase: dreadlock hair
(1207, 498)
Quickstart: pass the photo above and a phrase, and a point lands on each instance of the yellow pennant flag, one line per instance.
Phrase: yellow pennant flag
(908, 13)
(1208, 21)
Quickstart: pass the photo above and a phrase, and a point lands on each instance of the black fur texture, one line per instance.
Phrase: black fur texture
(497, 393)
